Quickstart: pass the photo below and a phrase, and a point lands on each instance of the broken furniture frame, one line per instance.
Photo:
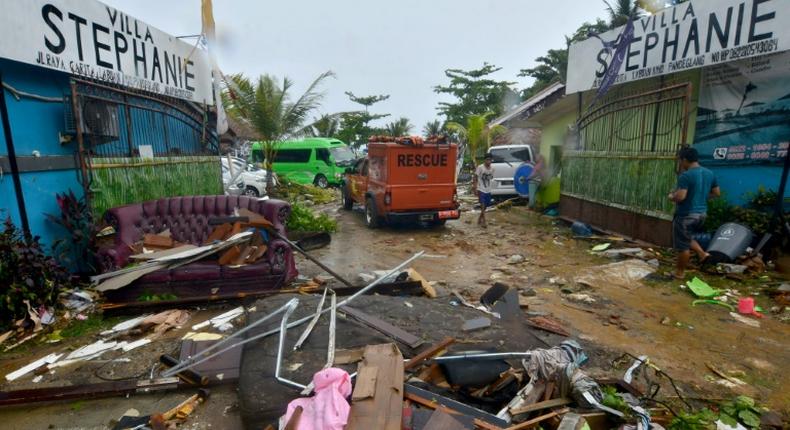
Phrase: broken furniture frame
(190, 363)
(291, 307)
(193, 360)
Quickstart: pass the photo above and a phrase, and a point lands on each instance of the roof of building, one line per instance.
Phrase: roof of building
(525, 109)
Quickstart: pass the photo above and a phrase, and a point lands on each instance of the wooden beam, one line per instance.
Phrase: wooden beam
(429, 353)
(546, 404)
(382, 326)
(535, 421)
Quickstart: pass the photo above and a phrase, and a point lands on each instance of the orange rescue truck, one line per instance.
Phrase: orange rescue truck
(404, 179)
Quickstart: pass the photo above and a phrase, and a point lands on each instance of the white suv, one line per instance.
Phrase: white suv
(253, 180)
(506, 159)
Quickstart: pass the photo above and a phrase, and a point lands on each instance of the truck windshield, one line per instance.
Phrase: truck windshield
(342, 155)
(510, 155)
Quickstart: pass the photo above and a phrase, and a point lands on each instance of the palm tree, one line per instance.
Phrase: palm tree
(477, 135)
(621, 11)
(266, 105)
(399, 127)
(326, 126)
(433, 128)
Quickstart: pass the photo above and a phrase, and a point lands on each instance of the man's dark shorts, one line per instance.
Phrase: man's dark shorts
(684, 227)
(485, 199)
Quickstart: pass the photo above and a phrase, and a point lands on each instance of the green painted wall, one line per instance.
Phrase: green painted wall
(553, 134)
(120, 181)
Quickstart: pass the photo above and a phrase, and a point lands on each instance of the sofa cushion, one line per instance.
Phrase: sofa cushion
(259, 268)
(197, 271)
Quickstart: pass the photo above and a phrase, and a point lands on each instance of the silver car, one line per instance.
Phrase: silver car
(506, 159)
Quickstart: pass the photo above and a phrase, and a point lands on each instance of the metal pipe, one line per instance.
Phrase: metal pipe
(190, 361)
(281, 345)
(330, 354)
(312, 323)
(311, 258)
(9, 142)
(294, 323)
(483, 356)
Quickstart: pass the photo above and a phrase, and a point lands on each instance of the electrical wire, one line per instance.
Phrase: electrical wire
(656, 387)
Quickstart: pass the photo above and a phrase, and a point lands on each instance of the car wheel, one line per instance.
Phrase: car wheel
(321, 182)
(348, 202)
(371, 215)
(251, 191)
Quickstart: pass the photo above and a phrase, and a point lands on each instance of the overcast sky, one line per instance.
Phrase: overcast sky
(391, 47)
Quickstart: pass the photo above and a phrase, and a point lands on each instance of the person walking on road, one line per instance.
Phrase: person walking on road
(481, 186)
(535, 179)
(696, 185)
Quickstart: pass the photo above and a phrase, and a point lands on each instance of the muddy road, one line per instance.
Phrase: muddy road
(653, 318)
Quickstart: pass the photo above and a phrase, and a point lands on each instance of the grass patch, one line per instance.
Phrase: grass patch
(93, 324)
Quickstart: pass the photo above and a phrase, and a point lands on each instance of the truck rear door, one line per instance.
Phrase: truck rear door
(421, 178)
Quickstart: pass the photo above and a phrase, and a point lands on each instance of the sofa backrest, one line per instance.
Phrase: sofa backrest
(187, 217)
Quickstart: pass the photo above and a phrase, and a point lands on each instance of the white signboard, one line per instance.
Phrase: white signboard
(90, 39)
(686, 36)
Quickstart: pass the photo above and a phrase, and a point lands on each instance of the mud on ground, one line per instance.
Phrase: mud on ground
(463, 257)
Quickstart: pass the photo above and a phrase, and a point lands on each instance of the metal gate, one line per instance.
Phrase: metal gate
(116, 123)
(648, 122)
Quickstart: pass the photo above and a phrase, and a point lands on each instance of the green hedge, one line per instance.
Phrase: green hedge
(120, 181)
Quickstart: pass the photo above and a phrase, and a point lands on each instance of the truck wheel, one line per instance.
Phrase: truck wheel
(320, 181)
(348, 202)
(371, 215)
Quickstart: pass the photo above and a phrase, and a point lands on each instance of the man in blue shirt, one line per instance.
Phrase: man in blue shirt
(696, 185)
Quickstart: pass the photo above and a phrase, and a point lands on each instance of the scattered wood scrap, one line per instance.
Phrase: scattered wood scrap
(384, 409)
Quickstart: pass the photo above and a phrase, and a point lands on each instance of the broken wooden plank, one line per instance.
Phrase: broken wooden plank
(88, 391)
(434, 401)
(382, 326)
(546, 404)
(426, 286)
(348, 356)
(441, 420)
(429, 353)
(384, 410)
(537, 420)
(365, 386)
(548, 325)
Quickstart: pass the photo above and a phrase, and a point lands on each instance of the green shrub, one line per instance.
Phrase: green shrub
(26, 273)
(304, 219)
(290, 190)
(756, 214)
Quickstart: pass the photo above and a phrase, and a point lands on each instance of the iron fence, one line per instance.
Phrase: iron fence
(647, 122)
(171, 127)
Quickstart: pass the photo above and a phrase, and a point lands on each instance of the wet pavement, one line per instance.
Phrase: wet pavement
(653, 318)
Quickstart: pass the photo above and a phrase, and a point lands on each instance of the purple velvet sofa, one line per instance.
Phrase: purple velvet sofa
(187, 218)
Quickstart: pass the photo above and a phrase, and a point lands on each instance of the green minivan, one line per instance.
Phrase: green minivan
(316, 160)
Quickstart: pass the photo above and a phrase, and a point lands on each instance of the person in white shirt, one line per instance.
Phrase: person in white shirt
(481, 185)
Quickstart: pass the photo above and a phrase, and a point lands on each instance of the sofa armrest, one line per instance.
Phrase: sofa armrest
(127, 222)
(281, 257)
(276, 211)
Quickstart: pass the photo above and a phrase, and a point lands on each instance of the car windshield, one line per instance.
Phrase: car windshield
(510, 155)
(342, 154)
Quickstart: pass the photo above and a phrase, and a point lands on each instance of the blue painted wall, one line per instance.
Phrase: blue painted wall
(738, 182)
(34, 127)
